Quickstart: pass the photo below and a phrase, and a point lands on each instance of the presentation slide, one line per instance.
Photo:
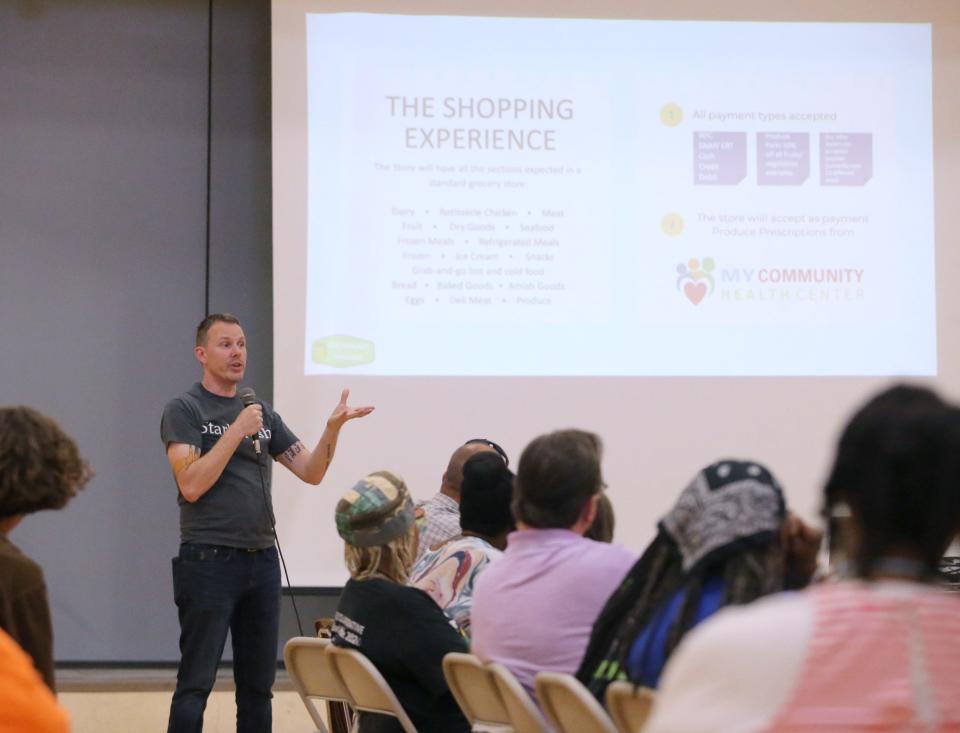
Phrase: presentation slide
(700, 230)
(618, 197)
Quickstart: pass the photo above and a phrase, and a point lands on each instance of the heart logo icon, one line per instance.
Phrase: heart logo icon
(695, 292)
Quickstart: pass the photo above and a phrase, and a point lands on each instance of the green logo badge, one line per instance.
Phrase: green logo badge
(342, 351)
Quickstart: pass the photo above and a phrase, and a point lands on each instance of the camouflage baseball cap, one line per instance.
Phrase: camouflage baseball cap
(376, 511)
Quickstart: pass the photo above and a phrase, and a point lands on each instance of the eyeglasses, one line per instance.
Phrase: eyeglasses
(490, 444)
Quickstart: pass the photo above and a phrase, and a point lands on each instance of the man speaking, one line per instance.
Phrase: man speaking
(226, 575)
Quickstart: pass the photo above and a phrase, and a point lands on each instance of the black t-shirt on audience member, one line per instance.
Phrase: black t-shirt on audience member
(405, 634)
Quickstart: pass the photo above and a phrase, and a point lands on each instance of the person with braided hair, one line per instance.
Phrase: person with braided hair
(728, 540)
(878, 650)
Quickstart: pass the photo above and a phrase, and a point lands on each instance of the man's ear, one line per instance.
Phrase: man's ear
(201, 353)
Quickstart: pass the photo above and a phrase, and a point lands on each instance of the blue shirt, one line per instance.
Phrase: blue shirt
(648, 654)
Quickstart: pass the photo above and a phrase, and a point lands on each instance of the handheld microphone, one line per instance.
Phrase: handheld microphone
(249, 397)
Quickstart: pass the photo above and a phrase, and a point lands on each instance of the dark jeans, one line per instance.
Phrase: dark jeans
(219, 588)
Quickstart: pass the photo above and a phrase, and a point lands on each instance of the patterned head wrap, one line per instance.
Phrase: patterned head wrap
(725, 524)
(727, 504)
(376, 511)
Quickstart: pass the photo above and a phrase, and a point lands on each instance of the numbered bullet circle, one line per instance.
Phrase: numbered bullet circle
(671, 224)
(671, 115)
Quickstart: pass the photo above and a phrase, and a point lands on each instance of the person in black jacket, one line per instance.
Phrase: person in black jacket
(398, 627)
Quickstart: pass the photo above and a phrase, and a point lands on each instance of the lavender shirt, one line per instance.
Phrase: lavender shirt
(533, 610)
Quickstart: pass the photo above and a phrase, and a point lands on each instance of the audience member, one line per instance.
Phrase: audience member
(27, 705)
(533, 609)
(449, 573)
(604, 523)
(439, 516)
(721, 544)
(399, 628)
(877, 652)
(40, 468)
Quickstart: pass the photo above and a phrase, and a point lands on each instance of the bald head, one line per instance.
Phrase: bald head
(453, 476)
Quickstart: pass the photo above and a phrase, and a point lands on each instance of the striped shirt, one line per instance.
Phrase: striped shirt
(842, 657)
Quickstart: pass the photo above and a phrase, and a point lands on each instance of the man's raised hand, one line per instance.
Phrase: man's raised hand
(343, 412)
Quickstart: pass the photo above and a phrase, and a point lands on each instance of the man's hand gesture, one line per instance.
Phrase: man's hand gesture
(343, 412)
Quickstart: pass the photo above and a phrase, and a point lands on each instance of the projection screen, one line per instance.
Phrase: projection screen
(700, 233)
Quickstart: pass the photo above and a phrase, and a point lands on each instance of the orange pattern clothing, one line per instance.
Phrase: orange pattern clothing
(26, 704)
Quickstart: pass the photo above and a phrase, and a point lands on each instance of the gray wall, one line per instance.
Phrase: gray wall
(104, 274)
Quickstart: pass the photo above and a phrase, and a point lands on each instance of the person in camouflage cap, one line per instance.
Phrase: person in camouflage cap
(376, 521)
(397, 627)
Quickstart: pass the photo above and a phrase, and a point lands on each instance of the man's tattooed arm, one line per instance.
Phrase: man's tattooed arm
(311, 466)
(181, 464)
(293, 451)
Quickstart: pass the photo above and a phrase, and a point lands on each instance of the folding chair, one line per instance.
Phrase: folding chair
(569, 706)
(476, 693)
(629, 705)
(309, 668)
(367, 689)
(523, 713)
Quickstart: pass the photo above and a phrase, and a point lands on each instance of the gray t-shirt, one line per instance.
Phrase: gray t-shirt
(234, 511)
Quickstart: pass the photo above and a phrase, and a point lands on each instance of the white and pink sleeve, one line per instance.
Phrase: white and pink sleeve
(735, 671)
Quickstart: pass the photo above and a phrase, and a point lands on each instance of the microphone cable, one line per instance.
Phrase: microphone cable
(249, 397)
(276, 539)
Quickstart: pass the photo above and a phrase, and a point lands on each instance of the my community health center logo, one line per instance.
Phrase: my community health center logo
(699, 279)
(696, 278)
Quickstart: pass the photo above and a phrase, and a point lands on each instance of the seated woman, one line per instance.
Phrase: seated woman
(723, 543)
(448, 573)
(876, 652)
(399, 628)
(604, 523)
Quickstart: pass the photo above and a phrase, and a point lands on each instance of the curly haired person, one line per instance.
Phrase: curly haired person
(40, 468)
